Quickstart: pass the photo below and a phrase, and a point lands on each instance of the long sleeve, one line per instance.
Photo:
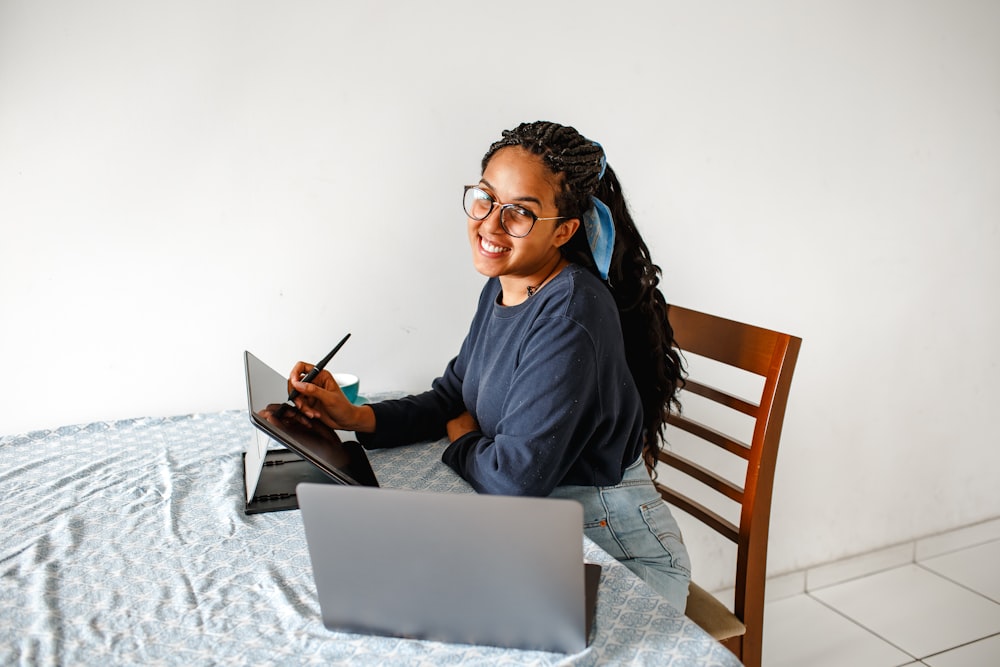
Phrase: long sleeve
(417, 418)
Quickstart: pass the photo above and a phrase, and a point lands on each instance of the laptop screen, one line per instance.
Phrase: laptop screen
(467, 568)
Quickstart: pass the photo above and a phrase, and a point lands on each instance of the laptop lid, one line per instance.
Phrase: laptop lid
(267, 395)
(462, 568)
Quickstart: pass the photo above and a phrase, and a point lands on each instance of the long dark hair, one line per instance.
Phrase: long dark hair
(633, 278)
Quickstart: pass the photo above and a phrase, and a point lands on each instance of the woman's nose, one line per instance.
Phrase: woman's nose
(491, 223)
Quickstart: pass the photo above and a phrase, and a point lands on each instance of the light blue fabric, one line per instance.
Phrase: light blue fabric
(125, 543)
(600, 228)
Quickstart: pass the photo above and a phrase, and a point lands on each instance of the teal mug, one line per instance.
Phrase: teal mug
(349, 384)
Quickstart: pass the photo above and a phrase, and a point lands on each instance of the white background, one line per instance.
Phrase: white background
(180, 181)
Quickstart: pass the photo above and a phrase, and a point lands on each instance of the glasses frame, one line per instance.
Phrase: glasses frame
(503, 207)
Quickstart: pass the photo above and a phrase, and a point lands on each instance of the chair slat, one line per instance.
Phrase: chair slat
(721, 397)
(711, 519)
(703, 475)
(734, 343)
(771, 355)
(713, 436)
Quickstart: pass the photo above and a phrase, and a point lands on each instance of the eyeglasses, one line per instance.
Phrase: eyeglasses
(515, 220)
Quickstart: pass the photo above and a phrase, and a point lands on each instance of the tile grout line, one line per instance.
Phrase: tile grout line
(875, 634)
(863, 627)
(968, 643)
(955, 550)
(913, 559)
(957, 583)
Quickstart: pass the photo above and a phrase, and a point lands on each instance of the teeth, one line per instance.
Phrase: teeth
(489, 247)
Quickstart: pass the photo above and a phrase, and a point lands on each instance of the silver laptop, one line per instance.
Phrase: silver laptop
(462, 568)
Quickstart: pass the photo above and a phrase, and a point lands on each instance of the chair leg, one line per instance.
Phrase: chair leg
(735, 645)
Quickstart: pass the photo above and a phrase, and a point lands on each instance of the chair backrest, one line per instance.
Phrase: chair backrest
(772, 356)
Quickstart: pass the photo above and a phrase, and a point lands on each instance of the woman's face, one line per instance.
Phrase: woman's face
(516, 176)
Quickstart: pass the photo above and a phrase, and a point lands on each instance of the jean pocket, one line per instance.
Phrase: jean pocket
(663, 526)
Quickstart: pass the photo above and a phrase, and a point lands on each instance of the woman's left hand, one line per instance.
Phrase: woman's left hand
(460, 425)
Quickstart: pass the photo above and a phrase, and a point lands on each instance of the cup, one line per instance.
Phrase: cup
(349, 384)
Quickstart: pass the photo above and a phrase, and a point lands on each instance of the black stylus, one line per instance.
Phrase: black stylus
(311, 375)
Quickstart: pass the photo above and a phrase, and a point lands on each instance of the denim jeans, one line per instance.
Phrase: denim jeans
(632, 523)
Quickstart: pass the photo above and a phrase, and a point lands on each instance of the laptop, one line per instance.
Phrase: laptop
(313, 452)
(459, 568)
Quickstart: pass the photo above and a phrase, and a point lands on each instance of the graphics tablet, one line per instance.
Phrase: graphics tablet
(315, 453)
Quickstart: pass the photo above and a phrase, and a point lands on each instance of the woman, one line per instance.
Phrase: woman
(563, 382)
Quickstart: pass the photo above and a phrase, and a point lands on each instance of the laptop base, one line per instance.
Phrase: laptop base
(283, 469)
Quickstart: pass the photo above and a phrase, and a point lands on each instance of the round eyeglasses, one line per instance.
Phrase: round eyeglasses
(515, 220)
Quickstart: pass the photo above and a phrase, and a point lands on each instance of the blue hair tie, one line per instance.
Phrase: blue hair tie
(600, 227)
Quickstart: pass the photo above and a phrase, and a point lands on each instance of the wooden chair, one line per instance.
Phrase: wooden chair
(772, 356)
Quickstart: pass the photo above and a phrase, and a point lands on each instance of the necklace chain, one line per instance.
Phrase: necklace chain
(533, 289)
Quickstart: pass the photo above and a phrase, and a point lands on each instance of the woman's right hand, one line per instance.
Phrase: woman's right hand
(322, 399)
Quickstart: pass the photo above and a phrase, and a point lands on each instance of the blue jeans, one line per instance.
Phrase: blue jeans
(632, 523)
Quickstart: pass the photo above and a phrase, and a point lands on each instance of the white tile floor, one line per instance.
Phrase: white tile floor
(940, 609)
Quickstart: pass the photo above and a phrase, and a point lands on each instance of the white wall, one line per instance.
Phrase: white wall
(183, 180)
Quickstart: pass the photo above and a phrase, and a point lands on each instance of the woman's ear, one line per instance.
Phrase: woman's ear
(564, 232)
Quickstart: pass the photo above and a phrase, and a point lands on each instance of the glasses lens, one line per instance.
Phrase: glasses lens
(478, 203)
(516, 221)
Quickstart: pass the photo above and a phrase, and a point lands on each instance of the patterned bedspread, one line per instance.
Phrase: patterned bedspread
(126, 543)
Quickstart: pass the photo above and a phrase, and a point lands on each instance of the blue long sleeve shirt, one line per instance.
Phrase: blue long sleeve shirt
(548, 384)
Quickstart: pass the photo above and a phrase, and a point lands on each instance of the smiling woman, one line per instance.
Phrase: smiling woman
(509, 245)
(563, 382)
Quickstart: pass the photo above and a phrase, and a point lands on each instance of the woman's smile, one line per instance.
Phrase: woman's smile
(489, 248)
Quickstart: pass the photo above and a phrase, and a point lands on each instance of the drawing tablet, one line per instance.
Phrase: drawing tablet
(317, 444)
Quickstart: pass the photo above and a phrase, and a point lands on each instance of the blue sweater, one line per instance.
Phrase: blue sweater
(548, 384)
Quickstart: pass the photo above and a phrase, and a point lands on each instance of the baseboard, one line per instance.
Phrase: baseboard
(793, 583)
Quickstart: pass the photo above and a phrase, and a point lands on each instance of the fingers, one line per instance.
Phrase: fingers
(305, 388)
(324, 379)
(298, 372)
(320, 399)
(300, 369)
(308, 395)
(322, 385)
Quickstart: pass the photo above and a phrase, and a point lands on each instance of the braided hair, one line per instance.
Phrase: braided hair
(633, 279)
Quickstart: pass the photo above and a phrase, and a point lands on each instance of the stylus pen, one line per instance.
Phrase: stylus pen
(311, 375)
